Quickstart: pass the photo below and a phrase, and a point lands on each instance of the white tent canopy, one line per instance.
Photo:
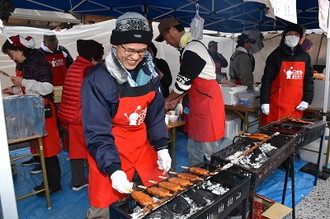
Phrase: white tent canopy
(101, 32)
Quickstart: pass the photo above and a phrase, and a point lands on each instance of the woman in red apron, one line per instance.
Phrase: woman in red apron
(123, 117)
(36, 79)
(287, 84)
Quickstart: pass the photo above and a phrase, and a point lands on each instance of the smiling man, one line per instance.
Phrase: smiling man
(122, 106)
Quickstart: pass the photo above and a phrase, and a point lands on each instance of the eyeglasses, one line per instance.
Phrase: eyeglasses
(130, 52)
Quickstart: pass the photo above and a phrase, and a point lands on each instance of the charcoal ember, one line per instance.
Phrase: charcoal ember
(198, 199)
(206, 194)
(179, 206)
(161, 213)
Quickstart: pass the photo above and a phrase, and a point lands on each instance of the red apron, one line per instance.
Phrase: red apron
(58, 63)
(77, 143)
(207, 112)
(135, 152)
(286, 92)
(51, 142)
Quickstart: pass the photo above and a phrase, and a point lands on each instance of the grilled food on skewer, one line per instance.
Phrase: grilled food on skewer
(180, 181)
(159, 192)
(297, 120)
(142, 198)
(257, 136)
(167, 185)
(170, 186)
(199, 171)
(190, 177)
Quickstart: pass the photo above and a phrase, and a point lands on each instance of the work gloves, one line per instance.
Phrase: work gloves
(265, 108)
(120, 182)
(164, 160)
(302, 106)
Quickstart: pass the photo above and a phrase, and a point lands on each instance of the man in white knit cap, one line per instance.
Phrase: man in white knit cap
(123, 117)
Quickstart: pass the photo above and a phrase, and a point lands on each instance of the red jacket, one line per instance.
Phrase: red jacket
(69, 110)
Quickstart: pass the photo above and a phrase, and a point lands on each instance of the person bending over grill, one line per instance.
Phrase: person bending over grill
(123, 117)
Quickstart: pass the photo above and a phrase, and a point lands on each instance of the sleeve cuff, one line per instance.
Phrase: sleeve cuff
(112, 168)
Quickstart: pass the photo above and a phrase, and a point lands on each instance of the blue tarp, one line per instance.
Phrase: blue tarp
(69, 204)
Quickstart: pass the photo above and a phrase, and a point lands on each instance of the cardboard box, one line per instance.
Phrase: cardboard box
(265, 208)
(228, 93)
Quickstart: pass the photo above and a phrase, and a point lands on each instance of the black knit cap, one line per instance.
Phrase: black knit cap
(131, 27)
(90, 49)
(293, 27)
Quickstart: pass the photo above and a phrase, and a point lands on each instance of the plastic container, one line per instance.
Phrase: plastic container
(232, 126)
(248, 98)
(228, 93)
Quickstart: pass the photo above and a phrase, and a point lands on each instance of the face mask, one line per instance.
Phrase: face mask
(291, 41)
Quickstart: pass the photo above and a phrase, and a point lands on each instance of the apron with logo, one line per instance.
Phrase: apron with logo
(286, 92)
(135, 152)
(58, 63)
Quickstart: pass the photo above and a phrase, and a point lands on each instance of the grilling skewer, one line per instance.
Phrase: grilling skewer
(142, 198)
(4, 73)
(167, 185)
(188, 176)
(177, 180)
(198, 171)
(157, 191)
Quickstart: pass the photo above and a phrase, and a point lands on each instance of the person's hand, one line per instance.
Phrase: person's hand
(164, 160)
(8, 90)
(171, 104)
(120, 182)
(302, 106)
(265, 108)
(17, 81)
(319, 76)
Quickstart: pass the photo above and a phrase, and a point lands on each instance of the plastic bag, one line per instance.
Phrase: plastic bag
(197, 26)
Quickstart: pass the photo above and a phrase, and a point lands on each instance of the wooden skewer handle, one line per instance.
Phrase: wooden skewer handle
(162, 177)
(171, 172)
(184, 167)
(152, 181)
(142, 187)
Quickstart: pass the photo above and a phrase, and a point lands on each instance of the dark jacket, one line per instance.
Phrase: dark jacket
(99, 105)
(273, 65)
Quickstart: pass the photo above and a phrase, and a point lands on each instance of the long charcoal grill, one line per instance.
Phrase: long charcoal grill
(219, 207)
(284, 145)
(303, 133)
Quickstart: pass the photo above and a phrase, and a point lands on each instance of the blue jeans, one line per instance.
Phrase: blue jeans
(198, 151)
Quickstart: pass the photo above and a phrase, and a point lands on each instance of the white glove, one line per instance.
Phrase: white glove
(164, 160)
(302, 106)
(265, 108)
(120, 182)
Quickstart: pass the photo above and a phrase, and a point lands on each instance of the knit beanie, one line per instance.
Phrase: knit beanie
(293, 27)
(131, 27)
(90, 49)
(23, 41)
